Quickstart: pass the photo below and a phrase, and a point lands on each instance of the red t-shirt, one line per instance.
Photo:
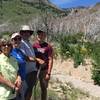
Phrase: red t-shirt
(42, 51)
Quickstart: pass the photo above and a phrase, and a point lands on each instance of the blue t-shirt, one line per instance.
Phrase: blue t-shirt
(20, 57)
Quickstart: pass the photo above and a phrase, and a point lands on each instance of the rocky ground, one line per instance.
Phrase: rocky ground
(66, 67)
(80, 78)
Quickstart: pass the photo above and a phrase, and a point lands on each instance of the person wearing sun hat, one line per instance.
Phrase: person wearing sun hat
(26, 29)
(31, 70)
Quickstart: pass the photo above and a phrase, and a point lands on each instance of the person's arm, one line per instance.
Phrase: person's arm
(6, 82)
(18, 82)
(29, 58)
(50, 63)
(33, 59)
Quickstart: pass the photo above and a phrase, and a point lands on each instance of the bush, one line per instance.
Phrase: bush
(78, 57)
(71, 46)
(75, 47)
(96, 63)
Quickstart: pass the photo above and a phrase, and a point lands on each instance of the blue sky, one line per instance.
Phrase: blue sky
(73, 3)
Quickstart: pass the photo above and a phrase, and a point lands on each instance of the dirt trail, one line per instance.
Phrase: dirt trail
(80, 77)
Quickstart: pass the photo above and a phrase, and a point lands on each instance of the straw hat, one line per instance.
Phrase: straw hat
(25, 28)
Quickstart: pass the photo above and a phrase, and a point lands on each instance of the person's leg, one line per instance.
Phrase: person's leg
(30, 80)
(43, 85)
(20, 95)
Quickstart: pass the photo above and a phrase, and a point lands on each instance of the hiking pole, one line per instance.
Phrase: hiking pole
(38, 73)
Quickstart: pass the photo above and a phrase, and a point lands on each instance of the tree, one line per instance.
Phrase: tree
(47, 18)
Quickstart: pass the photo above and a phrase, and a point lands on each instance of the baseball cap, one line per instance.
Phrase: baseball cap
(15, 35)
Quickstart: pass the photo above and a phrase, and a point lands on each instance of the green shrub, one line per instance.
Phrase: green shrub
(52, 95)
(75, 47)
(96, 63)
(71, 46)
(71, 93)
(77, 56)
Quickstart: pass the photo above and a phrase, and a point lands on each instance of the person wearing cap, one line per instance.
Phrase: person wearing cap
(18, 54)
(21, 59)
(44, 51)
(31, 70)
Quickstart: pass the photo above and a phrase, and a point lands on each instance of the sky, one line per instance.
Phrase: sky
(73, 3)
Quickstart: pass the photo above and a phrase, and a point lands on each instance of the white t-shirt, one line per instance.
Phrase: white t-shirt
(27, 49)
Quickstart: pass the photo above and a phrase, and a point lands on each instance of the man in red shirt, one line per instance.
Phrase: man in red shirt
(45, 52)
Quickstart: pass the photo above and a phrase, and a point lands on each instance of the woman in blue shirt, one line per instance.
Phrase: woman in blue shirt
(17, 53)
(21, 59)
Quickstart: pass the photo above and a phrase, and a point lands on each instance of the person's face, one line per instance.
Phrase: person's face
(41, 37)
(16, 41)
(26, 34)
(6, 48)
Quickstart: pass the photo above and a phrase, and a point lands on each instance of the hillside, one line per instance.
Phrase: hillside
(41, 14)
(16, 12)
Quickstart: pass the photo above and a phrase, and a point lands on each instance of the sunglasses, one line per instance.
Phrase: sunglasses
(6, 45)
(26, 31)
(17, 39)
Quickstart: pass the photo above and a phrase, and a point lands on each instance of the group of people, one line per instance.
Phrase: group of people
(21, 63)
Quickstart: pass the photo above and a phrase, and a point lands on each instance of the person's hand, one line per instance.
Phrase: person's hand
(47, 77)
(40, 61)
(18, 83)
